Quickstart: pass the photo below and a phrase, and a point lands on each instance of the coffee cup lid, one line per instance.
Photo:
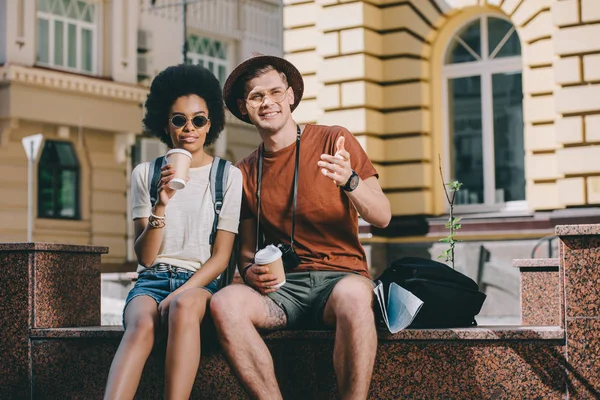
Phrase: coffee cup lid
(182, 151)
(267, 255)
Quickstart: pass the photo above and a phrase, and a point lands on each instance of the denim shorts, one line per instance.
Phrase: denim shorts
(158, 285)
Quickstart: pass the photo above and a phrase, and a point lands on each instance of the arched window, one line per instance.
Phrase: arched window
(58, 181)
(484, 114)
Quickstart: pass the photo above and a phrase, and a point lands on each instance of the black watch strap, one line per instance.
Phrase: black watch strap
(352, 182)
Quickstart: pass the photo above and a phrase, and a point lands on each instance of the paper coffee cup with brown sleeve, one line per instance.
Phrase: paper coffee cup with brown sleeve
(180, 159)
(270, 257)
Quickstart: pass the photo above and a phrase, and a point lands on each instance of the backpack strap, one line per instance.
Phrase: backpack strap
(154, 178)
(219, 173)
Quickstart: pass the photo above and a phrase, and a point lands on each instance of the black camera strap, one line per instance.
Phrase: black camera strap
(259, 182)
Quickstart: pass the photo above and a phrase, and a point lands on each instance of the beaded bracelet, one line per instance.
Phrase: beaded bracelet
(156, 222)
(156, 216)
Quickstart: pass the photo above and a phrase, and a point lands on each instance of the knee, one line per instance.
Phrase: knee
(187, 308)
(226, 305)
(140, 329)
(352, 299)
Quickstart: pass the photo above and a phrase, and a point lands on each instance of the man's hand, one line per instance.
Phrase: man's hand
(337, 167)
(259, 278)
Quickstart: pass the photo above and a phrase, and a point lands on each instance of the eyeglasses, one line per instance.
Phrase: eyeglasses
(276, 95)
(179, 121)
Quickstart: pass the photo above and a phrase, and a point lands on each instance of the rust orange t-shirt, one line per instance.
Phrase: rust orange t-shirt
(326, 234)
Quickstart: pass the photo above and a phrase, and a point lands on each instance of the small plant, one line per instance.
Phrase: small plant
(453, 223)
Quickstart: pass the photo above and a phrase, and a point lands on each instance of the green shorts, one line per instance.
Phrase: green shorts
(304, 295)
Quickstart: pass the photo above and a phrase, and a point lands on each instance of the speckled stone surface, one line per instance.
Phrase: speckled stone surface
(66, 289)
(480, 333)
(75, 368)
(15, 316)
(78, 369)
(577, 230)
(304, 366)
(535, 263)
(540, 296)
(583, 352)
(580, 259)
(581, 264)
(468, 371)
(468, 363)
(42, 285)
(37, 246)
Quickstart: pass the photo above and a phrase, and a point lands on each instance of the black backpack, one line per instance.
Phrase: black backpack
(450, 299)
(219, 173)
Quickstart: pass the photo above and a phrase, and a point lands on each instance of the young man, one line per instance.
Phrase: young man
(331, 286)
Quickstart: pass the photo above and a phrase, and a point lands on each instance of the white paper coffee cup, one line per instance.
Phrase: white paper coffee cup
(270, 257)
(180, 159)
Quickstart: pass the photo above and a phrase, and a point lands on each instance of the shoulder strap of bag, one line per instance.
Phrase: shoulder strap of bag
(154, 177)
(219, 173)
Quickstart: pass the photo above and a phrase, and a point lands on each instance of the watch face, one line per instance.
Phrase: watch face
(353, 181)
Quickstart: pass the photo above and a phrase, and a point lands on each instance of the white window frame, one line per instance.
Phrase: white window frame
(484, 68)
(195, 57)
(80, 25)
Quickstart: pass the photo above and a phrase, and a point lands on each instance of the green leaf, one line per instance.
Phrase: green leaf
(445, 240)
(455, 186)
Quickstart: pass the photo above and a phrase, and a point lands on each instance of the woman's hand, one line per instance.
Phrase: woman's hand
(163, 308)
(165, 193)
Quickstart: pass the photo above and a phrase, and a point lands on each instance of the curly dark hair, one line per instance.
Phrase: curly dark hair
(183, 80)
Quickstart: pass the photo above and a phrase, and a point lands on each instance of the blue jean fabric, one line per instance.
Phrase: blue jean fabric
(158, 285)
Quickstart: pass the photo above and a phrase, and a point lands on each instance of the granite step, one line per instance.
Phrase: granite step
(478, 362)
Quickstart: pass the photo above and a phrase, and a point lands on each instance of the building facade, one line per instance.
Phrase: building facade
(503, 95)
(77, 71)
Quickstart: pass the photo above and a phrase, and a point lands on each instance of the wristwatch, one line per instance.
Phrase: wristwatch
(352, 182)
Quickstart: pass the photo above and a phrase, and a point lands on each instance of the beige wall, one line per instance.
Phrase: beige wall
(102, 114)
(102, 191)
(19, 37)
(375, 67)
(576, 48)
(100, 118)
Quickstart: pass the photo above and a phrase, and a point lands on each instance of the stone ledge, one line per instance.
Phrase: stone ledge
(480, 333)
(533, 263)
(578, 230)
(36, 246)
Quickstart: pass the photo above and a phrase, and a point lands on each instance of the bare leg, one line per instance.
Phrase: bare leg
(186, 312)
(141, 321)
(238, 311)
(350, 310)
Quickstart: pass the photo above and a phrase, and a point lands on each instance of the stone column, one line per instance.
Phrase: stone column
(42, 286)
(580, 259)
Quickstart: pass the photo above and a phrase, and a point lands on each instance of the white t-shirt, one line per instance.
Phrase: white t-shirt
(189, 215)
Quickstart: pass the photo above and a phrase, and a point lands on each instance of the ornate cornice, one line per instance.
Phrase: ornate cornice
(78, 84)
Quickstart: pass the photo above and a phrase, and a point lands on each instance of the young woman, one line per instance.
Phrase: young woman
(177, 265)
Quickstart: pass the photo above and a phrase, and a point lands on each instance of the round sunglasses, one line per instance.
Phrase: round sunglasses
(179, 121)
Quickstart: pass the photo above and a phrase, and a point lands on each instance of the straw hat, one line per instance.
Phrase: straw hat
(234, 87)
